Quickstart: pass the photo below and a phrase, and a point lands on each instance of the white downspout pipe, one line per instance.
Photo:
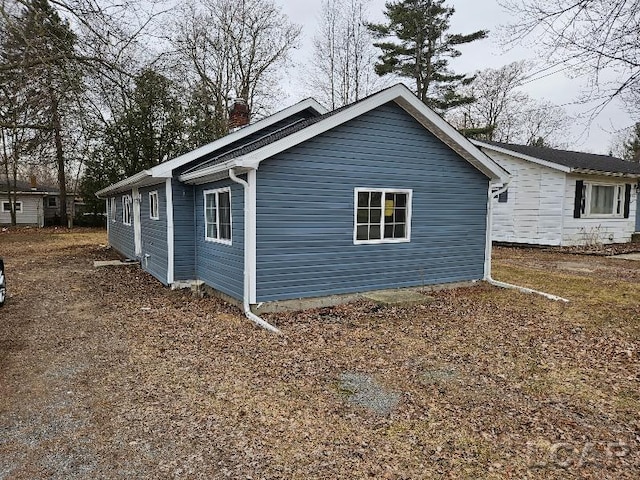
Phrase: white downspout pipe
(487, 258)
(247, 274)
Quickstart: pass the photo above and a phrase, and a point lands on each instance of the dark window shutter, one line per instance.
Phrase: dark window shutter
(627, 199)
(577, 205)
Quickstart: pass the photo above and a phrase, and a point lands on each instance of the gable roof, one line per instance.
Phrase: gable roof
(165, 169)
(566, 160)
(252, 154)
(25, 187)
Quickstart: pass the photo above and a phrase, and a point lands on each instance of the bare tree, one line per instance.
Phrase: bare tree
(585, 37)
(342, 67)
(235, 49)
(503, 112)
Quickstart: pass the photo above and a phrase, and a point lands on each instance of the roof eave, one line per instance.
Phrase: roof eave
(522, 156)
(587, 171)
(125, 184)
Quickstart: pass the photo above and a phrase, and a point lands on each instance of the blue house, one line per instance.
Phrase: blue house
(379, 194)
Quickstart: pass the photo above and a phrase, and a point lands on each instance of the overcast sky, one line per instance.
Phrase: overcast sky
(472, 15)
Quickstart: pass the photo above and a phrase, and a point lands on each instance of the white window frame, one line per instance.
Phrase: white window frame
(618, 198)
(153, 195)
(112, 209)
(126, 202)
(384, 191)
(217, 239)
(8, 210)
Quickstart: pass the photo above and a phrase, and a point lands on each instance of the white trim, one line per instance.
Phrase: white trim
(19, 202)
(113, 209)
(153, 194)
(250, 248)
(618, 196)
(170, 233)
(108, 210)
(217, 239)
(404, 98)
(128, 201)
(382, 240)
(522, 156)
(165, 169)
(136, 201)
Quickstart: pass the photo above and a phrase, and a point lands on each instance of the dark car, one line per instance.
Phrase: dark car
(3, 284)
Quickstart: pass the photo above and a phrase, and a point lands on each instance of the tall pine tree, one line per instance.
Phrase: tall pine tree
(416, 45)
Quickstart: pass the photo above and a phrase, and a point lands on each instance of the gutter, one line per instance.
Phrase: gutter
(248, 233)
(487, 262)
(127, 182)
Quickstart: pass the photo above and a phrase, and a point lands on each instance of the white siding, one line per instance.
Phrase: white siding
(32, 211)
(533, 212)
(584, 231)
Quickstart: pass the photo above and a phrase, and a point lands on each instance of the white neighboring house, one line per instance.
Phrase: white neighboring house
(36, 205)
(564, 198)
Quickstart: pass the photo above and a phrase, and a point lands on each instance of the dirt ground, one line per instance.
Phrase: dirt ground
(104, 373)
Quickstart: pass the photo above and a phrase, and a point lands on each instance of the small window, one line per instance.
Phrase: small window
(217, 215)
(126, 209)
(112, 209)
(6, 207)
(503, 197)
(382, 216)
(154, 209)
(52, 202)
(601, 200)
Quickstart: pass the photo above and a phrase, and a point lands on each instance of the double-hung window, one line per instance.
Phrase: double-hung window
(112, 209)
(217, 215)
(602, 200)
(382, 215)
(126, 209)
(154, 209)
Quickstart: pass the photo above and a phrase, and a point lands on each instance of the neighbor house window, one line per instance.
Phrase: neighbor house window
(601, 200)
(126, 209)
(154, 209)
(52, 202)
(6, 207)
(503, 197)
(112, 209)
(382, 215)
(217, 215)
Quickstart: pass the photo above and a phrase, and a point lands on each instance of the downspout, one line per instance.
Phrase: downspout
(487, 258)
(248, 233)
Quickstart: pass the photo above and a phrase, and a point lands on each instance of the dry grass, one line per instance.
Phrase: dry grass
(104, 373)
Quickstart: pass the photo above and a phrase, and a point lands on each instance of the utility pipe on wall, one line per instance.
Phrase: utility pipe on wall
(248, 232)
(487, 267)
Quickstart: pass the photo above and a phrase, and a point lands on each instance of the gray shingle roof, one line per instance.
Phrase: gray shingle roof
(22, 186)
(568, 158)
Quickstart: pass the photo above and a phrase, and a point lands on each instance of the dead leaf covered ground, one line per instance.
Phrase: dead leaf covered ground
(104, 373)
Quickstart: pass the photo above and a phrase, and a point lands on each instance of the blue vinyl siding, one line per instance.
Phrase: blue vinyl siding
(121, 235)
(221, 266)
(305, 211)
(184, 235)
(154, 233)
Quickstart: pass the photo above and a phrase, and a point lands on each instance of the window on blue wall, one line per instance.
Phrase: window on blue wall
(126, 209)
(154, 209)
(382, 216)
(112, 209)
(217, 215)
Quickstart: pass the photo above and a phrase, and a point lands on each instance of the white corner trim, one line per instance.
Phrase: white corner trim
(522, 156)
(170, 239)
(250, 248)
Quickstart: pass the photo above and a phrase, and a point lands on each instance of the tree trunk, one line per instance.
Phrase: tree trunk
(62, 180)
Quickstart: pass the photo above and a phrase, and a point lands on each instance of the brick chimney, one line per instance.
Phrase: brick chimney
(238, 114)
(33, 181)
